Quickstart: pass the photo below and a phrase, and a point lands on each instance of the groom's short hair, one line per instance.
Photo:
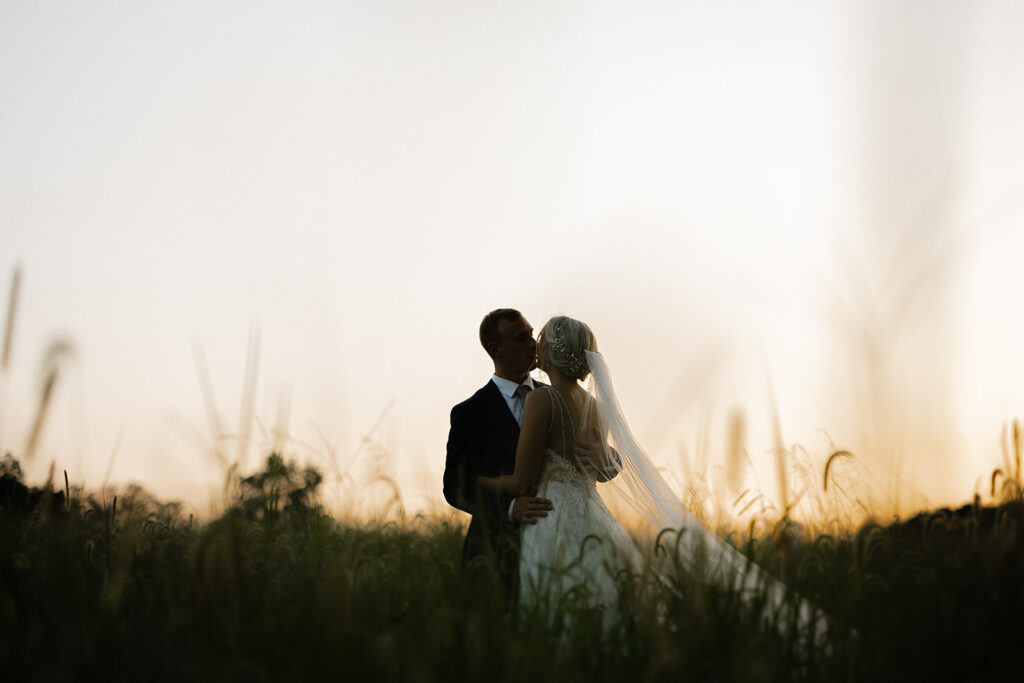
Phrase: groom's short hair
(489, 325)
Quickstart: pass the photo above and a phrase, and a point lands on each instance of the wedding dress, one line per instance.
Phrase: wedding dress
(576, 553)
(573, 556)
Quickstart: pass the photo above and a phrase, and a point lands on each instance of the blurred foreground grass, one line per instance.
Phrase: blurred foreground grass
(275, 589)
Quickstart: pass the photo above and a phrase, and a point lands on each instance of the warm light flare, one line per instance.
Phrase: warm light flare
(820, 194)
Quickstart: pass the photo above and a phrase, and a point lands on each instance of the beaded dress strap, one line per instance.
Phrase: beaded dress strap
(564, 411)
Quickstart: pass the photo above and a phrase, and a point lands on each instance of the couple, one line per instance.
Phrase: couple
(524, 459)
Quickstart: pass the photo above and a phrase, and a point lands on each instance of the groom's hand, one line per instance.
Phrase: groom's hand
(601, 460)
(590, 455)
(530, 510)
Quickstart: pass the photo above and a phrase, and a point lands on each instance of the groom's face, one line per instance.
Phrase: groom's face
(518, 348)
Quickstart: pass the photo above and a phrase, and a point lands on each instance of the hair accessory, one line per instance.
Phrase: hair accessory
(559, 345)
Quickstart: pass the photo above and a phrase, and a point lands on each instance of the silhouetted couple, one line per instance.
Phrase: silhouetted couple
(525, 458)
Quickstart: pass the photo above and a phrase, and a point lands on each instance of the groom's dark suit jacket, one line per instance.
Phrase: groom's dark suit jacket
(482, 442)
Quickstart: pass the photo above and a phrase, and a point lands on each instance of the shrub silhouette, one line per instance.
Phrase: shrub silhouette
(280, 489)
(18, 499)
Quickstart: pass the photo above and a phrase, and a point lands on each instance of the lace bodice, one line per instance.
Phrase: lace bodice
(558, 468)
(556, 557)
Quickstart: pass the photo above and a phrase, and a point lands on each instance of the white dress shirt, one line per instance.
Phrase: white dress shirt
(508, 392)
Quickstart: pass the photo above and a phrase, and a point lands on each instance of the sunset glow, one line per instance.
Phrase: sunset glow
(804, 219)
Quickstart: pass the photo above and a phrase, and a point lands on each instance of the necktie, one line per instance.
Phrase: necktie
(521, 391)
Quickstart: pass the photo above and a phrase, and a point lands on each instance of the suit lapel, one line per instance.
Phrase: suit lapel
(496, 402)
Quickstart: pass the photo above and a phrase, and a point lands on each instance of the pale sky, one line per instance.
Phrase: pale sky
(728, 193)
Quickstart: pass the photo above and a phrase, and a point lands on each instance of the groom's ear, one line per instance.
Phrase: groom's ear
(492, 349)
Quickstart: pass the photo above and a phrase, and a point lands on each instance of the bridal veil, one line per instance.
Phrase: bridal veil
(639, 485)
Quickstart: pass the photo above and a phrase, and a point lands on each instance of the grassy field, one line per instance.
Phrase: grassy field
(275, 590)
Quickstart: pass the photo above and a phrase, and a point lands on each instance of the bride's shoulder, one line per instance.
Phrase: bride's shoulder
(537, 407)
(540, 390)
(540, 398)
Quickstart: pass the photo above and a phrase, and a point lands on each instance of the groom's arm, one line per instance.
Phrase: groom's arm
(459, 482)
(612, 469)
(462, 467)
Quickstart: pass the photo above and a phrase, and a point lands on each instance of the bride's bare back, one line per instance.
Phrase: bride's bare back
(573, 419)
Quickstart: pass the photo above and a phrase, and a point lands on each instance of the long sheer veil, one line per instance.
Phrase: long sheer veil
(638, 484)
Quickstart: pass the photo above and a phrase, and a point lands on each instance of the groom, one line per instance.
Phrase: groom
(482, 442)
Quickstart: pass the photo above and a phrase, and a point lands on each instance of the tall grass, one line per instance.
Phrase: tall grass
(124, 586)
(275, 589)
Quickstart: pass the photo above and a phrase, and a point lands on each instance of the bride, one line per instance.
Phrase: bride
(580, 548)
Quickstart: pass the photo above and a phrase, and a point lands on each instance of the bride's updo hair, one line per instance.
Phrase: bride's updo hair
(565, 340)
